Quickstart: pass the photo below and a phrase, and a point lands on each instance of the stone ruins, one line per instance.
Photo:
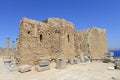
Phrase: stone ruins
(7, 51)
(55, 39)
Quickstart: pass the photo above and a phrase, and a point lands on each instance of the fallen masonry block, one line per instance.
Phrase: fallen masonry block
(106, 60)
(24, 68)
(108, 55)
(117, 64)
(76, 60)
(87, 58)
(71, 60)
(7, 60)
(43, 63)
(60, 63)
(82, 58)
(13, 68)
(39, 69)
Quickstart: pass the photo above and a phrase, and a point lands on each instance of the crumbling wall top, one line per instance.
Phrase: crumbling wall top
(48, 21)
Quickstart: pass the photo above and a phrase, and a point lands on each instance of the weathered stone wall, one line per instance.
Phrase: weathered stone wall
(50, 39)
(91, 42)
(98, 42)
(56, 38)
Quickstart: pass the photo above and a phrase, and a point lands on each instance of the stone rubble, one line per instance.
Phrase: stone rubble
(76, 60)
(24, 68)
(71, 60)
(39, 69)
(108, 57)
(43, 63)
(60, 63)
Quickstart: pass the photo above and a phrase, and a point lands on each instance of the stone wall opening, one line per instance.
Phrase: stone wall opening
(28, 32)
(68, 37)
(41, 37)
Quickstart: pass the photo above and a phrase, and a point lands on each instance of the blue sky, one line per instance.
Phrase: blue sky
(83, 13)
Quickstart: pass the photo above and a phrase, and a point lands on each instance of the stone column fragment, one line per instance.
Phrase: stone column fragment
(7, 45)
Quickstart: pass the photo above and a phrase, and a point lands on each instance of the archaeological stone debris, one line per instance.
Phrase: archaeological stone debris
(24, 68)
(60, 63)
(40, 42)
(108, 57)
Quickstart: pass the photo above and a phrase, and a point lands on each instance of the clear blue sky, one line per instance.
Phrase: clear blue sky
(83, 13)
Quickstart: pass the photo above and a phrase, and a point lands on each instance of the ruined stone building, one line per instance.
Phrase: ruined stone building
(8, 51)
(56, 38)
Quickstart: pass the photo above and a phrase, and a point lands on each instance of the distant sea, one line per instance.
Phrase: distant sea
(116, 53)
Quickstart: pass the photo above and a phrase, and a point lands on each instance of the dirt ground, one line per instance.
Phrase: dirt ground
(82, 71)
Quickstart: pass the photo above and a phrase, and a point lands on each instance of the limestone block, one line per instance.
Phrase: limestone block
(71, 60)
(43, 63)
(82, 58)
(117, 63)
(86, 58)
(76, 60)
(7, 61)
(109, 55)
(13, 68)
(24, 68)
(39, 69)
(60, 64)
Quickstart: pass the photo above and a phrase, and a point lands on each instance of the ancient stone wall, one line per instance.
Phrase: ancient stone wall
(91, 42)
(98, 42)
(50, 39)
(56, 38)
